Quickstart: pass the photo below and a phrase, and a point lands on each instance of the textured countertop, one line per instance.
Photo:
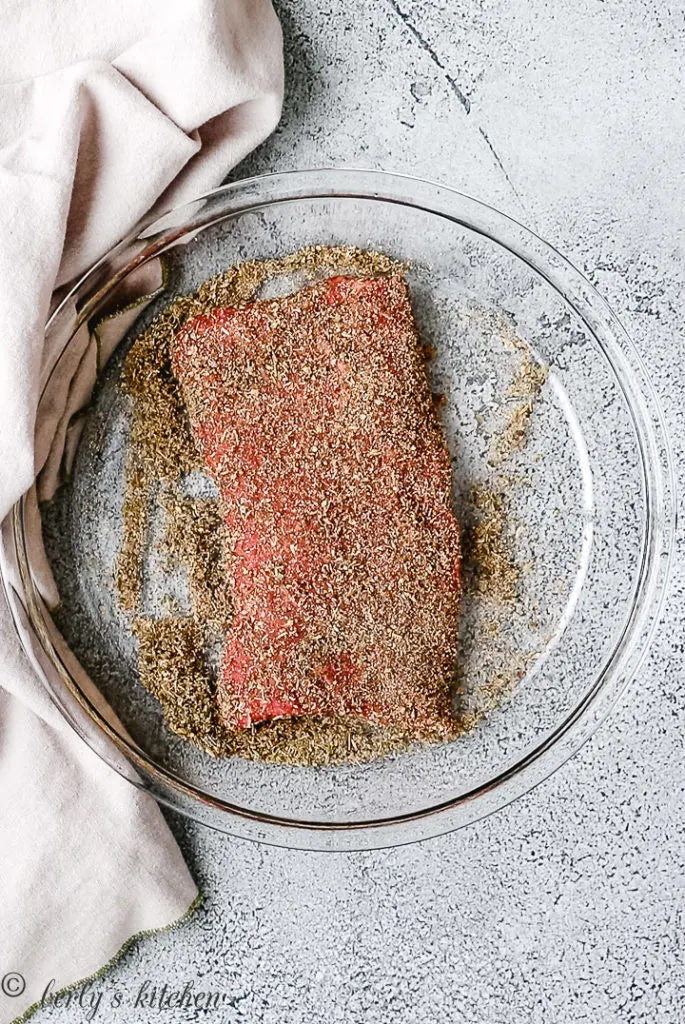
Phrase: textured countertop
(568, 905)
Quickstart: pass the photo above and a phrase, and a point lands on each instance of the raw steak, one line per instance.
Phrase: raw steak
(313, 415)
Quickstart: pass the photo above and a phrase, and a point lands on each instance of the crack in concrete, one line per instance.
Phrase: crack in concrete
(501, 166)
(425, 45)
(456, 89)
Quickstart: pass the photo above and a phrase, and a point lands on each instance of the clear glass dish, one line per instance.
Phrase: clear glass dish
(590, 512)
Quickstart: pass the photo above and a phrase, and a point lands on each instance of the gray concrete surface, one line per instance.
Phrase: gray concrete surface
(567, 906)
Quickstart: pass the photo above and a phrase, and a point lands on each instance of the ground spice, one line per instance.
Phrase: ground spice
(488, 562)
(175, 654)
(196, 536)
(172, 665)
(520, 398)
(173, 662)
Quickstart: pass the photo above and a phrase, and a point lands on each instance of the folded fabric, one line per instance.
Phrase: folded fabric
(106, 112)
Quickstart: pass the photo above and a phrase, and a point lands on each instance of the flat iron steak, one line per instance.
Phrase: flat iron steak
(313, 415)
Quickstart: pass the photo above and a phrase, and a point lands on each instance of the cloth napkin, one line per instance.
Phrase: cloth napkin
(107, 110)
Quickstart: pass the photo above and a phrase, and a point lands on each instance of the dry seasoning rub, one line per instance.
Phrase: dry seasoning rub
(314, 417)
(172, 651)
(172, 661)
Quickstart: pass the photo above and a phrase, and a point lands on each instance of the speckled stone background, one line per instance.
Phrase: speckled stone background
(569, 905)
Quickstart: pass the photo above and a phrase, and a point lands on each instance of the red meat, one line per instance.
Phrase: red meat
(313, 415)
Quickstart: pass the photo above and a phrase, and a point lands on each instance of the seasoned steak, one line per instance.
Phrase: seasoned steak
(313, 414)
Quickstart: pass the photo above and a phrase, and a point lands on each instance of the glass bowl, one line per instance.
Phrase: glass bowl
(588, 492)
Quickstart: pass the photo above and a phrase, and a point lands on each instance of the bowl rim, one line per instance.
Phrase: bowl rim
(652, 574)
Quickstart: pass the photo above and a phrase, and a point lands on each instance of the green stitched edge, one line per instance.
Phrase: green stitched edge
(146, 933)
(199, 899)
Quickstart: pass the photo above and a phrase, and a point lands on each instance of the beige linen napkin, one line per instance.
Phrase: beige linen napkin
(107, 109)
